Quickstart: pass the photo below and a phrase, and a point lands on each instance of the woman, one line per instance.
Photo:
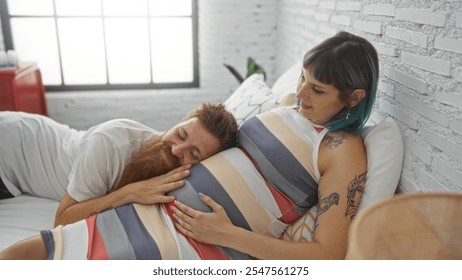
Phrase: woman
(336, 90)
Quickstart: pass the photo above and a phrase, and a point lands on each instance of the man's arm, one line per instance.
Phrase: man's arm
(148, 191)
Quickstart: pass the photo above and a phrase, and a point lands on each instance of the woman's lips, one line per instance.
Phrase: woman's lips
(304, 106)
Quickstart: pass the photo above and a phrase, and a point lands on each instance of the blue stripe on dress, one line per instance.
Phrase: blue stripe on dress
(144, 246)
(188, 195)
(115, 239)
(203, 181)
(48, 238)
(277, 164)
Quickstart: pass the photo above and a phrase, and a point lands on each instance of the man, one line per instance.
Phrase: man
(110, 164)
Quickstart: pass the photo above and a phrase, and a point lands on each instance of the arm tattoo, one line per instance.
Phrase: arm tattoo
(327, 202)
(355, 191)
(333, 141)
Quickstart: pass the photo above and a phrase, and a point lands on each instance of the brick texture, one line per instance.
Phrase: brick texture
(420, 51)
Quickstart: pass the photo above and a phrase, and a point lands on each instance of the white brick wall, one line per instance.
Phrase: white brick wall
(379, 9)
(411, 80)
(448, 44)
(438, 66)
(409, 36)
(420, 51)
(374, 27)
(421, 16)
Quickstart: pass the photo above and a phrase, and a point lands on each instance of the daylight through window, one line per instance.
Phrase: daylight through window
(104, 44)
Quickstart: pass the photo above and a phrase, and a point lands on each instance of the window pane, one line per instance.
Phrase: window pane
(170, 7)
(41, 34)
(171, 45)
(125, 8)
(78, 7)
(127, 41)
(30, 7)
(82, 50)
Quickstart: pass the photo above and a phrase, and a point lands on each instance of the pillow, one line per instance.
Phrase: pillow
(287, 82)
(385, 153)
(251, 98)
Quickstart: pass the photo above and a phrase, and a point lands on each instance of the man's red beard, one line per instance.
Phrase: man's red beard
(149, 162)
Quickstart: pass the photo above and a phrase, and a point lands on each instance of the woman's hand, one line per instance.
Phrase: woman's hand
(204, 227)
(153, 190)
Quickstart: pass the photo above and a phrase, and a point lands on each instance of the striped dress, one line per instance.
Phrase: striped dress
(266, 183)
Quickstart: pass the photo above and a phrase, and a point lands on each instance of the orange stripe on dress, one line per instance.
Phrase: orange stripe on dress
(96, 248)
(205, 251)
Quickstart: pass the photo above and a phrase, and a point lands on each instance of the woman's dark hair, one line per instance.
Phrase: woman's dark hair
(348, 62)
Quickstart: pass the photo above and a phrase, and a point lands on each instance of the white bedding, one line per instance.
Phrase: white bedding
(24, 216)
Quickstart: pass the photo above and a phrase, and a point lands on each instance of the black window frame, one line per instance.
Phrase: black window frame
(9, 45)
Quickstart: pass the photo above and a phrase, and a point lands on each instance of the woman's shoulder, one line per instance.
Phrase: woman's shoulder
(341, 148)
(341, 140)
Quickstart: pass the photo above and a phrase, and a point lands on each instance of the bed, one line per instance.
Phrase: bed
(25, 215)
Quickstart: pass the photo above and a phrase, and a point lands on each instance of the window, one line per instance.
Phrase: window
(105, 44)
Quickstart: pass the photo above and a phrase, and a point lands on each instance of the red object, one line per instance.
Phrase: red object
(21, 89)
(96, 248)
(205, 251)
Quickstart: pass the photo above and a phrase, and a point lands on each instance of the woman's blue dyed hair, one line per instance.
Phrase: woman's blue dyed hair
(348, 62)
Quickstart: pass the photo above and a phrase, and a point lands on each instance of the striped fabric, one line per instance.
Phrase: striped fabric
(265, 184)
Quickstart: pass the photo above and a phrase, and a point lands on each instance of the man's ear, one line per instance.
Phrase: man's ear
(356, 96)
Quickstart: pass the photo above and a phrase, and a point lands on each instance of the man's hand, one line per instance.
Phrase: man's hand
(149, 191)
(153, 190)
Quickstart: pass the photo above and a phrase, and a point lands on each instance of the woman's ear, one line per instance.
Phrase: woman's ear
(356, 96)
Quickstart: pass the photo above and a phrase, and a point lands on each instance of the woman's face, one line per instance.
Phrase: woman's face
(318, 102)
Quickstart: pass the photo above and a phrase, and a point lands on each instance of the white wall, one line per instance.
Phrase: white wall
(229, 32)
(420, 50)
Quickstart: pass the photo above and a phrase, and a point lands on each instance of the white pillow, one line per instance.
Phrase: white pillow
(385, 154)
(251, 98)
(287, 82)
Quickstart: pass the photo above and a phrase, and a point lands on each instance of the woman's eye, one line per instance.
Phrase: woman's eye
(316, 90)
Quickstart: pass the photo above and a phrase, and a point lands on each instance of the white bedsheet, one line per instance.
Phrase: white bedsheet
(24, 216)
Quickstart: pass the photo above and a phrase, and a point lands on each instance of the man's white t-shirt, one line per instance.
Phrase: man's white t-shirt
(41, 157)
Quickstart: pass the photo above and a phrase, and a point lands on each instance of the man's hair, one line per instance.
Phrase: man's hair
(217, 121)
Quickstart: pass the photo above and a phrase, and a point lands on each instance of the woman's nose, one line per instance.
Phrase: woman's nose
(302, 93)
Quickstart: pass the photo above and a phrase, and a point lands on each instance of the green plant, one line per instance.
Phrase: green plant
(252, 68)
